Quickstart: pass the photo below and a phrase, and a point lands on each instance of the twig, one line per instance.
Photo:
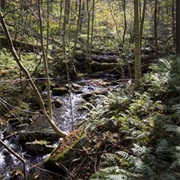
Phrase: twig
(17, 156)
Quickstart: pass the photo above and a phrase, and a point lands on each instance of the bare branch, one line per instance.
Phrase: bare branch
(31, 82)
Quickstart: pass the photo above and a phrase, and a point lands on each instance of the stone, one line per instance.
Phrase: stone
(59, 91)
(37, 135)
(88, 96)
(57, 103)
(76, 86)
(39, 146)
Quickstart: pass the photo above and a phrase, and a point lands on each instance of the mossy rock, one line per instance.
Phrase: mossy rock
(40, 146)
(95, 66)
(48, 135)
(68, 154)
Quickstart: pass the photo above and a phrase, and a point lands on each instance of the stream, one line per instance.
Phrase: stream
(66, 117)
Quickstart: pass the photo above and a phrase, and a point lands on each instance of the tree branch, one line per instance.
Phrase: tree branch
(30, 81)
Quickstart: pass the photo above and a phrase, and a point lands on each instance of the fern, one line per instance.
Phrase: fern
(114, 173)
(172, 128)
(175, 166)
(168, 176)
(138, 150)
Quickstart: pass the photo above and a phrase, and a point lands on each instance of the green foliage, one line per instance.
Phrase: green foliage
(109, 173)
(150, 126)
(158, 78)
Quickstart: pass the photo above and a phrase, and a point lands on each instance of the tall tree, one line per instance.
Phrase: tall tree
(125, 21)
(137, 44)
(88, 30)
(173, 20)
(178, 27)
(142, 19)
(155, 22)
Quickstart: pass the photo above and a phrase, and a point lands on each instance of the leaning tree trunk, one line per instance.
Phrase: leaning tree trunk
(137, 44)
(30, 81)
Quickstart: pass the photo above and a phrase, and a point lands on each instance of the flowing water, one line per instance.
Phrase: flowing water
(66, 117)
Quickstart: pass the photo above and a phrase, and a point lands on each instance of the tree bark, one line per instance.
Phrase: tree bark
(137, 44)
(77, 32)
(125, 21)
(45, 55)
(88, 55)
(178, 27)
(155, 24)
(142, 20)
(173, 22)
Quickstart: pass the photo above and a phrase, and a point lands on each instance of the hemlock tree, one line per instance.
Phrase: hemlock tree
(137, 44)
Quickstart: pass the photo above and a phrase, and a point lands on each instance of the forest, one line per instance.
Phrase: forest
(90, 89)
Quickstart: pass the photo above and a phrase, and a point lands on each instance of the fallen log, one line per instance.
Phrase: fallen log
(18, 45)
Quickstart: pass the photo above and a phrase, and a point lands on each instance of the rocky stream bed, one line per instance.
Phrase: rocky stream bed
(33, 139)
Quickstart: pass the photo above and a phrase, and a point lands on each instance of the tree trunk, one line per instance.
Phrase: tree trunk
(173, 22)
(92, 24)
(88, 55)
(45, 55)
(77, 32)
(178, 27)
(142, 20)
(60, 14)
(155, 24)
(137, 44)
(125, 21)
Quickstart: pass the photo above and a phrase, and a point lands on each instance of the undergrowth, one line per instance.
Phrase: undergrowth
(148, 125)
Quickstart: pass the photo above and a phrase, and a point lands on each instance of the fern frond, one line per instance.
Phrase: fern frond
(176, 108)
(166, 63)
(139, 150)
(115, 173)
(175, 166)
(168, 176)
(126, 156)
(172, 128)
